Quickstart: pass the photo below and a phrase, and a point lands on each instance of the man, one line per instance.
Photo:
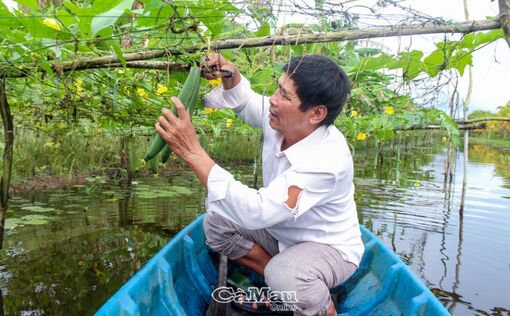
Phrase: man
(300, 231)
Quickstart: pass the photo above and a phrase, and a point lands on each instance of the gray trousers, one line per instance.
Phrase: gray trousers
(308, 269)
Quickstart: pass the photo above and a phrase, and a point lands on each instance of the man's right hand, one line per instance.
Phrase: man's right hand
(218, 62)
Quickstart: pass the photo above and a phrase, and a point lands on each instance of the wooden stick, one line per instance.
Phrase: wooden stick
(413, 29)
(140, 64)
(504, 18)
(5, 112)
(434, 127)
(484, 119)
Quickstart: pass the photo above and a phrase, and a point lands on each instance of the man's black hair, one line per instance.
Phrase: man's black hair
(319, 81)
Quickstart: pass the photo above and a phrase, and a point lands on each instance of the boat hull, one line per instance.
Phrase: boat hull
(180, 278)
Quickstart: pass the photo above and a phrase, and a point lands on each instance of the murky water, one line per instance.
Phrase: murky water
(66, 252)
(463, 256)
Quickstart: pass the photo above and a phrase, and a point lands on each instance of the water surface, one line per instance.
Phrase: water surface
(67, 251)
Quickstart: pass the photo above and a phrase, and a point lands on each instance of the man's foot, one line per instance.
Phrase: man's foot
(331, 310)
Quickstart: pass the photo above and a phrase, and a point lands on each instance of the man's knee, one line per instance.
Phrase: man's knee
(224, 237)
(291, 279)
(280, 275)
(215, 229)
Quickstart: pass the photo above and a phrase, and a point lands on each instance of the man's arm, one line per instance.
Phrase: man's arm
(235, 92)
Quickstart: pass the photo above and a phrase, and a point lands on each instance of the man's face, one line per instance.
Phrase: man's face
(284, 113)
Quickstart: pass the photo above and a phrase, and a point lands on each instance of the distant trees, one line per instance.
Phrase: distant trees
(495, 128)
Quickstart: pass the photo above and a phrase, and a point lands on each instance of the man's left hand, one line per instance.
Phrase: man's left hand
(178, 132)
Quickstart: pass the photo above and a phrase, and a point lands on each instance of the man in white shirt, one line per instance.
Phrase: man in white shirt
(300, 231)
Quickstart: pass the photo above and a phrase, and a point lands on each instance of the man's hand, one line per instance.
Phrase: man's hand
(178, 132)
(180, 135)
(216, 61)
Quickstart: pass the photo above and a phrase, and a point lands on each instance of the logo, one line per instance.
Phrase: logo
(275, 300)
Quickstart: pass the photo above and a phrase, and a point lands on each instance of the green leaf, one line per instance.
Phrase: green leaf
(46, 67)
(32, 4)
(104, 19)
(151, 5)
(461, 60)
(85, 17)
(473, 40)
(212, 14)
(374, 63)
(8, 19)
(298, 49)
(36, 28)
(411, 64)
(155, 17)
(448, 123)
(434, 62)
(115, 45)
(68, 20)
(264, 30)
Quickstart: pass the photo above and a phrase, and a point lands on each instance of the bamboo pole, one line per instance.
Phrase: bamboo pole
(139, 64)
(281, 39)
(438, 127)
(484, 119)
(504, 18)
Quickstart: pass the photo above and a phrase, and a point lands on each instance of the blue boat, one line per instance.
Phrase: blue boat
(180, 278)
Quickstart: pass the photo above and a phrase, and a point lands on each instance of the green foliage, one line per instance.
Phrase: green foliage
(449, 54)
(127, 101)
(383, 126)
(499, 129)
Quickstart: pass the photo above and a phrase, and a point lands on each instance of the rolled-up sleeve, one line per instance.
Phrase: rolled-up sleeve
(255, 209)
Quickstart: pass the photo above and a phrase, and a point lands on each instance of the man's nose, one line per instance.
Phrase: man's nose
(272, 100)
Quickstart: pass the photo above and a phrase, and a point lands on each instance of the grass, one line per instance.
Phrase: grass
(494, 142)
(38, 155)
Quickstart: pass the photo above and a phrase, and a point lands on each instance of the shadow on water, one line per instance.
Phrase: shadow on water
(66, 252)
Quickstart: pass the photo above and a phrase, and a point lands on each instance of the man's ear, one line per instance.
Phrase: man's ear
(318, 114)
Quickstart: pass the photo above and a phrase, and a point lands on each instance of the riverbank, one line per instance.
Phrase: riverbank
(493, 142)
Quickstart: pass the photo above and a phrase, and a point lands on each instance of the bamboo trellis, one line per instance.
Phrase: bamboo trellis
(134, 60)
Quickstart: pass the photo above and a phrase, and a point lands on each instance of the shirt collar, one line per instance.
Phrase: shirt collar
(296, 151)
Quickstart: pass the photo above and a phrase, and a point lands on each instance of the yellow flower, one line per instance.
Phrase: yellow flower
(51, 23)
(417, 183)
(161, 89)
(354, 113)
(49, 145)
(142, 93)
(444, 139)
(389, 110)
(79, 86)
(361, 136)
(215, 82)
(229, 122)
(209, 111)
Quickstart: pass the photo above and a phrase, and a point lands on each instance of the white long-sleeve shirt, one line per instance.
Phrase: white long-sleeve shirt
(320, 164)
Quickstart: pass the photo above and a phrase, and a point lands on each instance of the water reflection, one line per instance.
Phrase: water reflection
(462, 253)
(80, 248)
(84, 247)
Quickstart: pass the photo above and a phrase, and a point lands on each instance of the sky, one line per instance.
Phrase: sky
(491, 65)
